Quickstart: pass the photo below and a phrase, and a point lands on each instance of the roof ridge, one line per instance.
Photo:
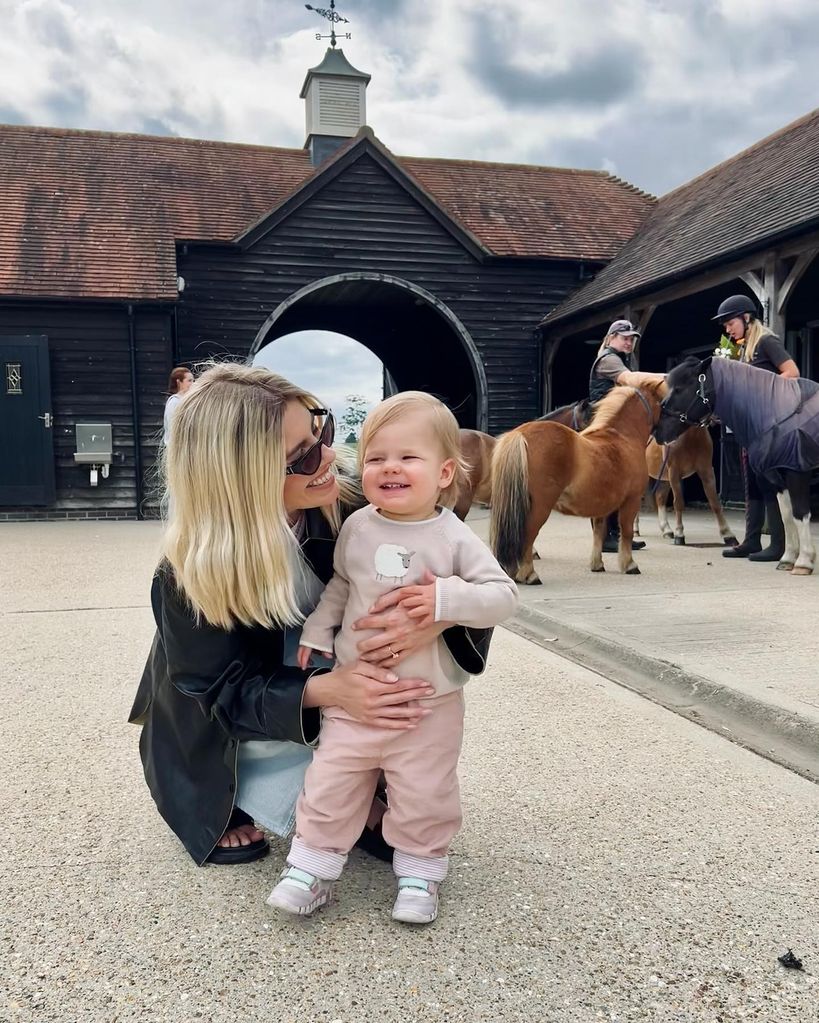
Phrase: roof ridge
(501, 163)
(736, 156)
(101, 133)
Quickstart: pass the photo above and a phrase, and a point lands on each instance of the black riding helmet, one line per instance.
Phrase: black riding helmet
(736, 305)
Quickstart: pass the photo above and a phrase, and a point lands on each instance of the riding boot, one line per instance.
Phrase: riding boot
(776, 548)
(611, 545)
(754, 521)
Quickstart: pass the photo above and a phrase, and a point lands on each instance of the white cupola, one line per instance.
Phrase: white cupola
(335, 100)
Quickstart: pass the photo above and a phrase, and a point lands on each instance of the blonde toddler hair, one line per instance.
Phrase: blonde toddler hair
(443, 423)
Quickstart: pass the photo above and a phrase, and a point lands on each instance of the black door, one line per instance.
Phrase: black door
(26, 452)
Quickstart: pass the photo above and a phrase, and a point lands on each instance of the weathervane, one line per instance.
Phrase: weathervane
(334, 18)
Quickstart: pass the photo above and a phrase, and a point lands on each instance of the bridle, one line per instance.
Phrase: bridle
(686, 416)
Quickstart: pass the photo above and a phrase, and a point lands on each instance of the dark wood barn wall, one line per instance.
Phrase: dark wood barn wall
(365, 221)
(91, 382)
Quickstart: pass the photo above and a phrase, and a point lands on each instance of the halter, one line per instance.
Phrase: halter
(686, 416)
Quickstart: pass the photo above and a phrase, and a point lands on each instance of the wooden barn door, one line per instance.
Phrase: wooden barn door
(26, 450)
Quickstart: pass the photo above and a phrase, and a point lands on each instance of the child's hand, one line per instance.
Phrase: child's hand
(419, 602)
(303, 657)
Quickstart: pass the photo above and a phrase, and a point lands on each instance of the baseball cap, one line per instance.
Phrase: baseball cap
(624, 327)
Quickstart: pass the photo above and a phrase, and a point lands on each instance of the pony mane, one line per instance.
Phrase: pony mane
(609, 408)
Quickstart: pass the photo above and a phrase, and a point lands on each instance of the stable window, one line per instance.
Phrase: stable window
(14, 378)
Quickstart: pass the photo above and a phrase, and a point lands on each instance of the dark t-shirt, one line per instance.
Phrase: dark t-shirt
(770, 354)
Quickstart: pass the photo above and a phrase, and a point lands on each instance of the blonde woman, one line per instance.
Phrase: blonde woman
(760, 347)
(228, 718)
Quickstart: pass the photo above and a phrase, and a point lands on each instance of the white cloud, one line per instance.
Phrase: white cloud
(660, 91)
(327, 364)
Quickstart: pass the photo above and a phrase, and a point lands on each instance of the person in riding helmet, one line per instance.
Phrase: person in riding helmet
(612, 367)
(759, 347)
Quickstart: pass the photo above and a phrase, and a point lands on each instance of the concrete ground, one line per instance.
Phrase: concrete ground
(617, 862)
(745, 626)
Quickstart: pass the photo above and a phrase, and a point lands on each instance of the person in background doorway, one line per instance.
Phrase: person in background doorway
(179, 384)
(759, 347)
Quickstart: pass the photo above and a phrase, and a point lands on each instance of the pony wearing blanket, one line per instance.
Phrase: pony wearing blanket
(775, 418)
(541, 466)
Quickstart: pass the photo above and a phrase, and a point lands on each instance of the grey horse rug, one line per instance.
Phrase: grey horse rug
(775, 418)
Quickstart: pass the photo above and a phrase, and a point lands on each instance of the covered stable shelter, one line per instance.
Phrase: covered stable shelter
(124, 255)
(749, 225)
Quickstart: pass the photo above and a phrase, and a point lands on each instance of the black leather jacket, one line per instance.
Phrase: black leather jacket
(205, 689)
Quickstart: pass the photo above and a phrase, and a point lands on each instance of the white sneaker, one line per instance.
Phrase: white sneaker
(300, 893)
(417, 901)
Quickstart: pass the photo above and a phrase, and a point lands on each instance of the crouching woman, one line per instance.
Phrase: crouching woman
(228, 718)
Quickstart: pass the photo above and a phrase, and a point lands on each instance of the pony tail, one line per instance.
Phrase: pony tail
(510, 500)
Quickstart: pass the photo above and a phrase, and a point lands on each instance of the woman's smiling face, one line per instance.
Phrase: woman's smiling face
(314, 491)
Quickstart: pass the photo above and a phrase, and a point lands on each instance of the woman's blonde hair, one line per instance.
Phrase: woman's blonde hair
(228, 539)
(443, 423)
(755, 330)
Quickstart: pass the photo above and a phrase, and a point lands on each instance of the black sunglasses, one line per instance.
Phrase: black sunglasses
(309, 462)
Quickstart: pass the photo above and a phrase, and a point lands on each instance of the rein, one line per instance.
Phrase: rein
(646, 406)
(663, 467)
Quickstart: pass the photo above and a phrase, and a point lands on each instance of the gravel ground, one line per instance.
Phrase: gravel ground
(616, 863)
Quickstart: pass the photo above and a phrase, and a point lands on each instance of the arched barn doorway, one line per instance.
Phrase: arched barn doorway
(421, 343)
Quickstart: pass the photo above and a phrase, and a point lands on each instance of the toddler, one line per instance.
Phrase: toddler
(410, 462)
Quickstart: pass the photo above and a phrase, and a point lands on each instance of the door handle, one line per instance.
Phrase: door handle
(46, 417)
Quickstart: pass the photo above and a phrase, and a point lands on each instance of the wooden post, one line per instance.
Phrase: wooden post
(550, 348)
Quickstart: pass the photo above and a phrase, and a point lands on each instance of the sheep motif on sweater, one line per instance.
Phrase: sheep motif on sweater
(392, 561)
(374, 555)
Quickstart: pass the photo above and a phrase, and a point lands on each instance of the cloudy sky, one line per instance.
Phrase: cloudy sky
(653, 90)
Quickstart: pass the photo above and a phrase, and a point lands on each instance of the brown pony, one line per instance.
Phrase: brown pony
(541, 466)
(692, 452)
(476, 448)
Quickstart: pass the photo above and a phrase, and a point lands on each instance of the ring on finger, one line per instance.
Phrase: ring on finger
(393, 654)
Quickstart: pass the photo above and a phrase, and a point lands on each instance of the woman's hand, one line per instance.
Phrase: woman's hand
(399, 634)
(370, 694)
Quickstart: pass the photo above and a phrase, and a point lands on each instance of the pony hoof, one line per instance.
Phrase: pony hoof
(601, 569)
(679, 541)
(634, 570)
(730, 541)
(668, 535)
(785, 566)
(801, 570)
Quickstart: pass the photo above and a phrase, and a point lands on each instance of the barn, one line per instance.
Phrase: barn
(123, 255)
(750, 226)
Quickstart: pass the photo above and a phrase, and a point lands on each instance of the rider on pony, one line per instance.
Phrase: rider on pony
(612, 367)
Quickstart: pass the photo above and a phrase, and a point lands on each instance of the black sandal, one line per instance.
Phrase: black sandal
(228, 856)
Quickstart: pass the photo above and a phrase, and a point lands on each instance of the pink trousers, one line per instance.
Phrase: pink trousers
(421, 769)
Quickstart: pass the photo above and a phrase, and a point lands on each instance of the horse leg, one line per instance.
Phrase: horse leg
(599, 531)
(661, 500)
(799, 491)
(788, 559)
(535, 521)
(627, 514)
(709, 485)
(679, 506)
